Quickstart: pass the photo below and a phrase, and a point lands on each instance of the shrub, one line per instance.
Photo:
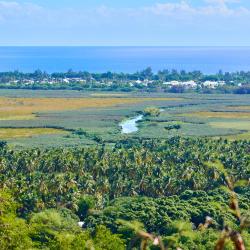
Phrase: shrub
(173, 126)
(152, 111)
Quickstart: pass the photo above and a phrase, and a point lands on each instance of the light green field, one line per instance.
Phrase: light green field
(240, 125)
(9, 133)
(236, 137)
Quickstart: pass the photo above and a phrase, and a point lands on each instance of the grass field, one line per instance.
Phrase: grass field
(209, 114)
(243, 136)
(24, 108)
(243, 125)
(8, 133)
(98, 115)
(21, 117)
(240, 136)
(240, 108)
(109, 94)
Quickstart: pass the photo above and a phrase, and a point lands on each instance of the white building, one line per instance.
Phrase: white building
(66, 80)
(213, 84)
(138, 81)
(187, 84)
(190, 84)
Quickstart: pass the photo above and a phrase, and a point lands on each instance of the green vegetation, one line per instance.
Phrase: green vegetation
(49, 229)
(173, 126)
(151, 111)
(97, 118)
(7, 133)
(69, 179)
(145, 80)
(171, 186)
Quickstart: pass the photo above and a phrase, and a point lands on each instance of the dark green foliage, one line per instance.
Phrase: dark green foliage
(168, 185)
(120, 81)
(154, 168)
(79, 132)
(173, 126)
(2, 144)
(85, 203)
(158, 214)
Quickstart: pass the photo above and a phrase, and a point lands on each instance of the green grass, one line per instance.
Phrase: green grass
(236, 137)
(103, 121)
(8, 133)
(242, 125)
(243, 136)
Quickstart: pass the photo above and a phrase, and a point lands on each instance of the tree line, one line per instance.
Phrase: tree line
(235, 82)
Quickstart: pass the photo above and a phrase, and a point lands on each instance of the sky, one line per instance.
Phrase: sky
(125, 23)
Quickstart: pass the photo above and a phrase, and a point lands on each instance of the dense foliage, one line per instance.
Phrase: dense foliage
(49, 229)
(44, 193)
(110, 81)
(165, 75)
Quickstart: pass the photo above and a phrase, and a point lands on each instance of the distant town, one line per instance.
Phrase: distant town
(145, 80)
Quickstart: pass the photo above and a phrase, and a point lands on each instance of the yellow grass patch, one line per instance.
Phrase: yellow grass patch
(24, 107)
(209, 114)
(241, 125)
(239, 107)
(7, 133)
(17, 118)
(109, 94)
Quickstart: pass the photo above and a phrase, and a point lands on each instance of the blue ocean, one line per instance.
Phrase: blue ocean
(124, 59)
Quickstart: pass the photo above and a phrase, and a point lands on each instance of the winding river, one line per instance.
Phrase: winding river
(130, 126)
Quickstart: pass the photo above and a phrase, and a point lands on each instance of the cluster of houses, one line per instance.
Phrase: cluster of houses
(185, 84)
(193, 84)
(143, 83)
(50, 81)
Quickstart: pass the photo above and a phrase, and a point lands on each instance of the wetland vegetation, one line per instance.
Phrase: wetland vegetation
(98, 115)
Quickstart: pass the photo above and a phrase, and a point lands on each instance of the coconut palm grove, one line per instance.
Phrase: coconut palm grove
(180, 193)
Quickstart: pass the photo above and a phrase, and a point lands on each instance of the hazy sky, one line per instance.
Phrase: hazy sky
(125, 22)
